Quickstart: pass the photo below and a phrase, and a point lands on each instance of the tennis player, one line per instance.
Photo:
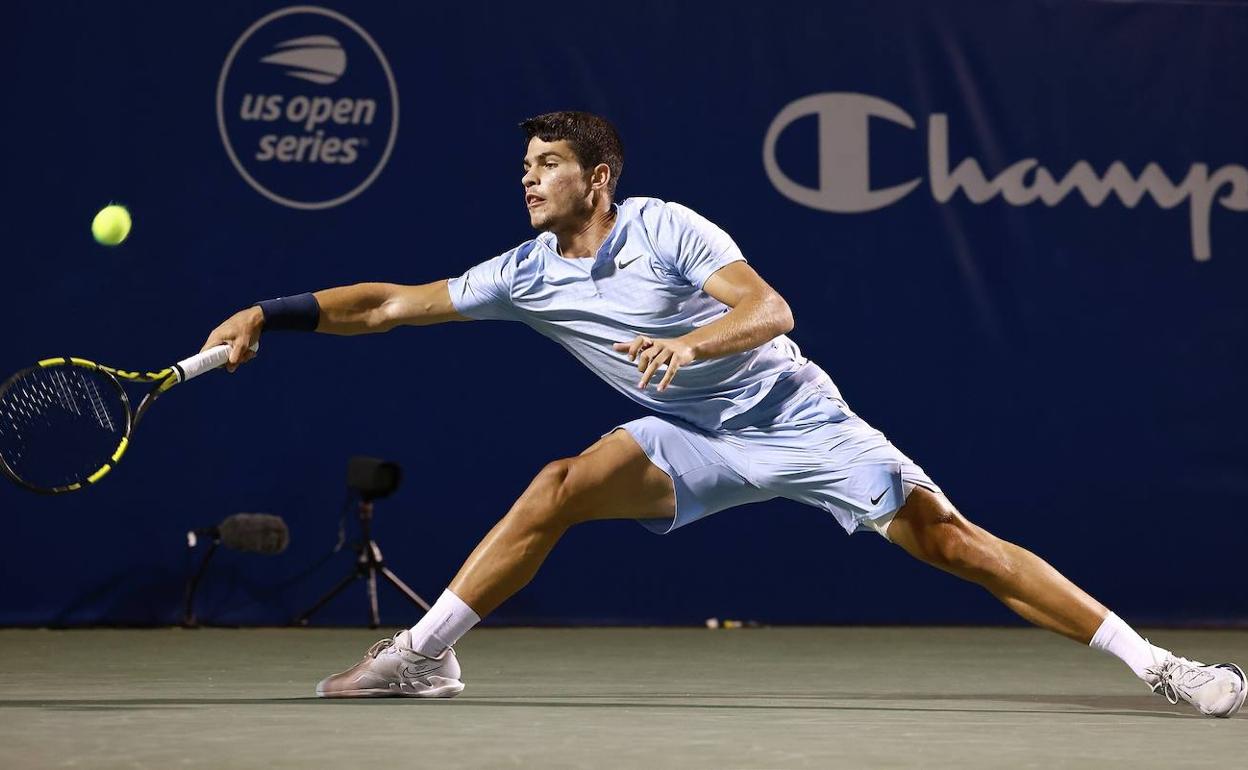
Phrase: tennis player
(661, 304)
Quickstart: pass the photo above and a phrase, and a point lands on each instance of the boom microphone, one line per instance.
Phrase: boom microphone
(247, 532)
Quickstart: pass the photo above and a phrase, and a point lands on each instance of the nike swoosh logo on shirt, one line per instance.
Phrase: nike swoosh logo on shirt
(623, 262)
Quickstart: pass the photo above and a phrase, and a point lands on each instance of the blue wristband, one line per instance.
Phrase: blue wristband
(300, 313)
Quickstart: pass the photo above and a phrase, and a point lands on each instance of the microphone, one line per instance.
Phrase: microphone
(247, 532)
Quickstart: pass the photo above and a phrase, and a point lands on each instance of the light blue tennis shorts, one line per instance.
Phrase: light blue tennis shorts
(802, 443)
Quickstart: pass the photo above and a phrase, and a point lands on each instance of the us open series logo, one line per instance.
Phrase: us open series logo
(307, 107)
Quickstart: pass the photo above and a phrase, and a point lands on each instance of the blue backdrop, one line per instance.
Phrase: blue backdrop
(1014, 233)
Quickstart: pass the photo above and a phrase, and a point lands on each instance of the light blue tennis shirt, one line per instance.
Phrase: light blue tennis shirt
(646, 279)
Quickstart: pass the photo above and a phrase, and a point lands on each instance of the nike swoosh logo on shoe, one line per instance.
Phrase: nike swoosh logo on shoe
(415, 672)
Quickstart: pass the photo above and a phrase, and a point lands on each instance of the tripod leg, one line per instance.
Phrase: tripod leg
(374, 616)
(188, 614)
(399, 584)
(348, 580)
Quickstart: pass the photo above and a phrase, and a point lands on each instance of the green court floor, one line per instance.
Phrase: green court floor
(607, 698)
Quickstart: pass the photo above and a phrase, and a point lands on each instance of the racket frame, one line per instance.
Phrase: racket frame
(164, 378)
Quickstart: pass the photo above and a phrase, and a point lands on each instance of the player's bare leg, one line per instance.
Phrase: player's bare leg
(613, 479)
(929, 528)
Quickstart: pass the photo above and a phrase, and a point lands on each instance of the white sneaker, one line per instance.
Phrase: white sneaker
(1215, 690)
(392, 668)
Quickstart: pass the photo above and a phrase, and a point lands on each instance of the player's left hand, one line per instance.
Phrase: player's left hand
(650, 353)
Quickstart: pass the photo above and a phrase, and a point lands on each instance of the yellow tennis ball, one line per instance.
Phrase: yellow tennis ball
(111, 226)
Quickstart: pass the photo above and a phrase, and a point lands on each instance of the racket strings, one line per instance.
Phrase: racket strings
(59, 425)
(102, 417)
(64, 390)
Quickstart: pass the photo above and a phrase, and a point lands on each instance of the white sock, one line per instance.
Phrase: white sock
(442, 626)
(1118, 639)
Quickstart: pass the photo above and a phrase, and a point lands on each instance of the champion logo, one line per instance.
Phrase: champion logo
(316, 58)
(844, 165)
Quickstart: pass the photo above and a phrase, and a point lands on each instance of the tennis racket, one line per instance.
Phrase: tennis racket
(65, 422)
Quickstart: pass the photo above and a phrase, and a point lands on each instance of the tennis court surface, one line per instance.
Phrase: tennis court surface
(606, 698)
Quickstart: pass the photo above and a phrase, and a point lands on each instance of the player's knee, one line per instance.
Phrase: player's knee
(547, 501)
(948, 544)
(964, 549)
(945, 539)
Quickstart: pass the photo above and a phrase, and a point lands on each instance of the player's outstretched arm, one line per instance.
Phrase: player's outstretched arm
(363, 308)
(367, 308)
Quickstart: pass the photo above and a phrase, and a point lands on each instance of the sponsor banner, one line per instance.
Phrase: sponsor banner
(844, 158)
(307, 107)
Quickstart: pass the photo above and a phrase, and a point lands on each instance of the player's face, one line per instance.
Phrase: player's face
(556, 188)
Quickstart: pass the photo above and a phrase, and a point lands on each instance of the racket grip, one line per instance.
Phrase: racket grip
(212, 358)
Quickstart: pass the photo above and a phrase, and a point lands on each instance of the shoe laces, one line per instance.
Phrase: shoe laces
(382, 645)
(378, 646)
(1177, 676)
(1164, 682)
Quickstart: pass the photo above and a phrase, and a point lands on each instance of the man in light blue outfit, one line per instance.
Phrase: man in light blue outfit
(747, 426)
(661, 304)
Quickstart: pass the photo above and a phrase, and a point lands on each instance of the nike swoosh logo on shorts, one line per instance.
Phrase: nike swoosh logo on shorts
(876, 500)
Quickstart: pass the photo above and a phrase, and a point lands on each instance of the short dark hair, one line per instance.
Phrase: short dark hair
(592, 138)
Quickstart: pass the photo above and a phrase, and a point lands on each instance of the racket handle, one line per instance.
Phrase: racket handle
(212, 358)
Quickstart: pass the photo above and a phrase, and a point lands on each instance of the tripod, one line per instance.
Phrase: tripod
(188, 611)
(368, 562)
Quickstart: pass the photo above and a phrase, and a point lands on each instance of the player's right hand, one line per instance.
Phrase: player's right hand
(241, 332)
